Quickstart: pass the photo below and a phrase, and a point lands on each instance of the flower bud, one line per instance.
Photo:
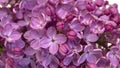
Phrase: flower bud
(71, 34)
(60, 25)
(64, 49)
(108, 27)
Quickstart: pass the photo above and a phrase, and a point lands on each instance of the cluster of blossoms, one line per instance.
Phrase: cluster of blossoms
(59, 34)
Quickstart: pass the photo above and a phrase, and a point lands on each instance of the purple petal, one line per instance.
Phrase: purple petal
(45, 42)
(55, 59)
(47, 61)
(92, 37)
(88, 48)
(79, 48)
(7, 30)
(37, 23)
(81, 4)
(35, 44)
(28, 4)
(102, 62)
(29, 51)
(67, 60)
(113, 59)
(3, 13)
(62, 13)
(91, 58)
(76, 26)
(53, 65)
(24, 61)
(82, 58)
(30, 35)
(42, 2)
(19, 43)
(22, 23)
(14, 36)
(51, 32)
(75, 59)
(60, 38)
(53, 48)
(66, 1)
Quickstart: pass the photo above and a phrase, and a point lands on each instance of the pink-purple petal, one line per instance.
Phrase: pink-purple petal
(53, 48)
(35, 44)
(45, 42)
(51, 32)
(60, 38)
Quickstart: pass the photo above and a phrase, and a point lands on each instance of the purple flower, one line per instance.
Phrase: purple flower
(38, 22)
(114, 56)
(73, 54)
(89, 54)
(77, 27)
(10, 34)
(97, 28)
(34, 37)
(52, 40)
(62, 11)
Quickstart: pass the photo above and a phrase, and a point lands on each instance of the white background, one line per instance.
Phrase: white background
(115, 1)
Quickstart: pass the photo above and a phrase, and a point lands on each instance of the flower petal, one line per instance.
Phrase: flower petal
(45, 42)
(60, 38)
(14, 36)
(51, 32)
(35, 44)
(92, 37)
(82, 58)
(67, 60)
(53, 48)
(91, 58)
(30, 35)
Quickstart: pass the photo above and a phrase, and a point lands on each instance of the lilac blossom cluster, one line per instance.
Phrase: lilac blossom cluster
(59, 34)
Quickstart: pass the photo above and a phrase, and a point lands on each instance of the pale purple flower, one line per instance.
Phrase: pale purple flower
(73, 54)
(52, 40)
(89, 54)
(46, 58)
(97, 28)
(114, 56)
(10, 34)
(34, 37)
(77, 27)
(38, 22)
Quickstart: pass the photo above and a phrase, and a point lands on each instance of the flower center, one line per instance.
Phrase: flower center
(53, 40)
